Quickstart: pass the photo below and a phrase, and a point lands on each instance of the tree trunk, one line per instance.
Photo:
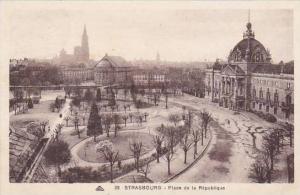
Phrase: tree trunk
(169, 168)
(202, 138)
(269, 176)
(59, 170)
(137, 164)
(272, 161)
(185, 154)
(166, 102)
(195, 150)
(111, 173)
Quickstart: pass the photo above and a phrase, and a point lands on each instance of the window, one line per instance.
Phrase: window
(267, 108)
(261, 95)
(268, 95)
(276, 98)
(260, 106)
(254, 93)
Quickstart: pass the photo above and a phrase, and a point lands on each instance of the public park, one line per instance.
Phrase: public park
(125, 135)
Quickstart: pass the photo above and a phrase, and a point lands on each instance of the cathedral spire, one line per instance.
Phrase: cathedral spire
(85, 45)
(84, 30)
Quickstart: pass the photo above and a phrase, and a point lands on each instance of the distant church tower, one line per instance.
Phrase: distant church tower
(85, 46)
(157, 58)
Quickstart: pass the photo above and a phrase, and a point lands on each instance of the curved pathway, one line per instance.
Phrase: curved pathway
(80, 162)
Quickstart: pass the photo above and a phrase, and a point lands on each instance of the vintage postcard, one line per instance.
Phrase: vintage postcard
(149, 97)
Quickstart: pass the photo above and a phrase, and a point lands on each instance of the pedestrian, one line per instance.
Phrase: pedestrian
(49, 128)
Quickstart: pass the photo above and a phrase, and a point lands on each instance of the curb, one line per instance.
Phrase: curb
(192, 164)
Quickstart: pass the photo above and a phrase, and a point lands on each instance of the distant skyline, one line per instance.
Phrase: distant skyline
(176, 34)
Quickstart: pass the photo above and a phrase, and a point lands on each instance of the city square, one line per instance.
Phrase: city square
(74, 119)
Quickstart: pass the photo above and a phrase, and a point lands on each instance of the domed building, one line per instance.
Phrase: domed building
(249, 80)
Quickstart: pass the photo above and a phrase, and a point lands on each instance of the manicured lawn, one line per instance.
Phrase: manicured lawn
(70, 136)
(39, 112)
(121, 143)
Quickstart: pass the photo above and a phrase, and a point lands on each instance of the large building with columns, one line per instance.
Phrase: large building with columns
(249, 81)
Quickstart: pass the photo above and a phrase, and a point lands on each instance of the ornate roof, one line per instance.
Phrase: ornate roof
(287, 68)
(112, 61)
(249, 49)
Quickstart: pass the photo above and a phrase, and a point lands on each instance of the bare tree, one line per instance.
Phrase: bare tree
(71, 108)
(183, 112)
(83, 119)
(269, 147)
(139, 119)
(186, 144)
(189, 120)
(171, 136)
(157, 142)
(174, 118)
(107, 123)
(43, 125)
(67, 118)
(125, 118)
(109, 154)
(260, 170)
(135, 147)
(117, 121)
(169, 156)
(57, 130)
(196, 138)
(130, 116)
(145, 115)
(76, 125)
(146, 169)
(166, 99)
(206, 118)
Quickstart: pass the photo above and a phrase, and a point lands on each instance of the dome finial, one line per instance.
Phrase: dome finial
(249, 33)
(248, 15)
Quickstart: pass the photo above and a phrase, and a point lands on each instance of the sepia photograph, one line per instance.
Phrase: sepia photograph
(113, 94)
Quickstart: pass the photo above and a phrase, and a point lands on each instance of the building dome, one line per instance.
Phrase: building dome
(249, 49)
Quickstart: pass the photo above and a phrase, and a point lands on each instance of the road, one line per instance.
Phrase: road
(49, 134)
(230, 153)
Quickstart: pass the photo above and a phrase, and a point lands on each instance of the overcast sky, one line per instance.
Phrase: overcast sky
(139, 33)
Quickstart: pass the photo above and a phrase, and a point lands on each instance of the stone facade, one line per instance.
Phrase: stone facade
(112, 70)
(249, 81)
(149, 78)
(77, 74)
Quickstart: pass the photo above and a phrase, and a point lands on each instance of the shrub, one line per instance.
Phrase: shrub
(30, 103)
(76, 101)
(36, 100)
(270, 118)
